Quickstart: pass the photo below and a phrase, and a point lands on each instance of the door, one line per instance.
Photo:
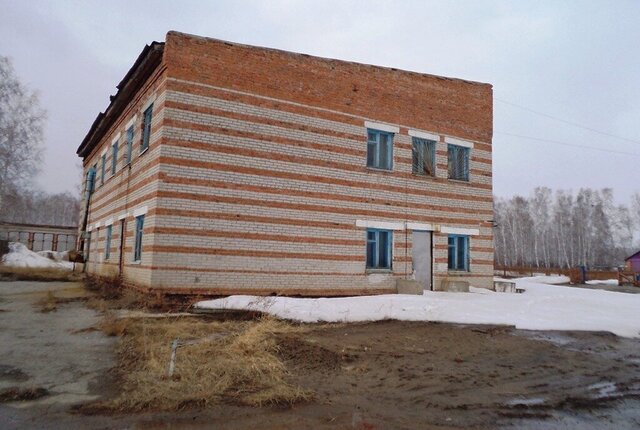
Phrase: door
(121, 257)
(421, 253)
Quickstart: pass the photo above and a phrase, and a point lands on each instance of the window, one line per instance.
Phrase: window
(379, 149)
(146, 128)
(137, 251)
(103, 169)
(458, 162)
(107, 243)
(91, 180)
(378, 249)
(458, 252)
(114, 157)
(127, 159)
(424, 157)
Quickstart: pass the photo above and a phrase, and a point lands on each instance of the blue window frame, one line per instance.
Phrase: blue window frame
(91, 181)
(424, 156)
(103, 168)
(114, 157)
(458, 257)
(379, 149)
(127, 159)
(107, 243)
(146, 128)
(379, 249)
(137, 250)
(458, 162)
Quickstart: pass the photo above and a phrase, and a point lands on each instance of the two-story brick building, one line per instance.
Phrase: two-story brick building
(222, 168)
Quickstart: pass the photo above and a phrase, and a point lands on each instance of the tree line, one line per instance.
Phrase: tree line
(564, 229)
(21, 141)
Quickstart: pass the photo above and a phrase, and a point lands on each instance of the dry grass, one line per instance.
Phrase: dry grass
(109, 293)
(48, 303)
(14, 394)
(38, 274)
(217, 362)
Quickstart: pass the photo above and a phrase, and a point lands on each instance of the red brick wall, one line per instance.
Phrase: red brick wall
(450, 106)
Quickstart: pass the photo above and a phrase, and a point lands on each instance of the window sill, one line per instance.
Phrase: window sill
(143, 151)
(458, 272)
(379, 169)
(419, 175)
(372, 271)
(460, 181)
(137, 262)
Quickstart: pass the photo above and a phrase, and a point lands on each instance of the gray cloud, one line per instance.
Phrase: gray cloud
(576, 60)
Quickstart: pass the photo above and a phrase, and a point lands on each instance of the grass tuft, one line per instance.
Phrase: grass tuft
(8, 273)
(218, 361)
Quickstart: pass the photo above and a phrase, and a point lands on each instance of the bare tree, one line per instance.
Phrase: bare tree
(21, 132)
(564, 230)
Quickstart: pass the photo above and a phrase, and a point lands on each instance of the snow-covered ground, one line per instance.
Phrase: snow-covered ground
(613, 282)
(541, 307)
(20, 256)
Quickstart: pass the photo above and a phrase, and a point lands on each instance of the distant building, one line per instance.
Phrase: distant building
(222, 168)
(632, 262)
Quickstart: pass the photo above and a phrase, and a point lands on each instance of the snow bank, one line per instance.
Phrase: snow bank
(20, 256)
(545, 279)
(55, 255)
(613, 282)
(540, 307)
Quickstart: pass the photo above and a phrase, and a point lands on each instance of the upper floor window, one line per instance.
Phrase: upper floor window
(424, 156)
(378, 249)
(458, 162)
(127, 159)
(103, 169)
(379, 149)
(146, 128)
(114, 157)
(458, 258)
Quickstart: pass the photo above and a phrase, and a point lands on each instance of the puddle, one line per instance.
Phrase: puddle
(534, 401)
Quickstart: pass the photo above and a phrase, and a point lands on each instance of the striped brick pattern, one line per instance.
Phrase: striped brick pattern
(250, 193)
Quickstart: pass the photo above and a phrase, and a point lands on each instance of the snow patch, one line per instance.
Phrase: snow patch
(20, 256)
(544, 279)
(540, 307)
(612, 282)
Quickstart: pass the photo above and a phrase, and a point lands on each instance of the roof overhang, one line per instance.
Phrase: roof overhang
(632, 255)
(147, 62)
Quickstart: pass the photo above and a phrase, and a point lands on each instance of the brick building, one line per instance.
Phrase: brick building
(229, 168)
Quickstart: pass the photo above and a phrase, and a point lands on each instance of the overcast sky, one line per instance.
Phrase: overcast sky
(578, 61)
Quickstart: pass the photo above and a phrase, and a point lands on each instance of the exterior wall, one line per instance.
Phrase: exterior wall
(40, 237)
(633, 263)
(256, 180)
(129, 191)
(264, 174)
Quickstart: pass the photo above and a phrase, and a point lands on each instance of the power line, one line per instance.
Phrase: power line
(574, 124)
(574, 145)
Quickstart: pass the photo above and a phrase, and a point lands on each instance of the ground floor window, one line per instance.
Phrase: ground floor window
(458, 252)
(137, 251)
(107, 243)
(378, 249)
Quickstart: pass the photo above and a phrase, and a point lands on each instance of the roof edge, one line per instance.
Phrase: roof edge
(142, 68)
(283, 51)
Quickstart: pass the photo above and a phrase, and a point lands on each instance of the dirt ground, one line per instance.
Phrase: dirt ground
(382, 375)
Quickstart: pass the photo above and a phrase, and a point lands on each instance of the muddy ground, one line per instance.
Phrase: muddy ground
(366, 376)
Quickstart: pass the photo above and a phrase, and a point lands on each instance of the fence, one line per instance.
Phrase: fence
(40, 237)
(575, 274)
